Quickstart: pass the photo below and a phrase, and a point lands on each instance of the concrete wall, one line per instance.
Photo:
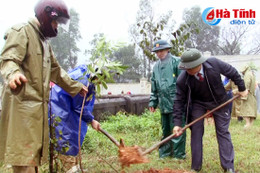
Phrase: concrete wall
(144, 87)
(239, 61)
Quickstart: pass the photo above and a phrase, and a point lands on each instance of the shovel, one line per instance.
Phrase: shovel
(149, 150)
(110, 137)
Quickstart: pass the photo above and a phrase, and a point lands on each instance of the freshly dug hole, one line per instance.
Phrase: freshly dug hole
(166, 170)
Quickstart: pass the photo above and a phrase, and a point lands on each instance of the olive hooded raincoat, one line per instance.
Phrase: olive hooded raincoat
(244, 106)
(24, 131)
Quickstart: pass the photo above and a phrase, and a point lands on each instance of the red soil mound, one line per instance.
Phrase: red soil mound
(166, 170)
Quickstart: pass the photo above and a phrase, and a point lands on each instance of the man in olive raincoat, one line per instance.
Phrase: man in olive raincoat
(27, 64)
(163, 81)
(245, 107)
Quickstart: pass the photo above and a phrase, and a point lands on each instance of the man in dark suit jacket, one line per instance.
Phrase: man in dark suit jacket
(200, 88)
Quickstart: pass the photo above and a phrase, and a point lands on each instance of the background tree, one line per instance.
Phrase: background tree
(101, 47)
(65, 44)
(180, 36)
(256, 45)
(126, 55)
(146, 30)
(231, 39)
(93, 44)
(150, 28)
(207, 38)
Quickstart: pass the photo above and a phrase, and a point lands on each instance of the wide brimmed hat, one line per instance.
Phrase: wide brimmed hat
(191, 58)
(160, 45)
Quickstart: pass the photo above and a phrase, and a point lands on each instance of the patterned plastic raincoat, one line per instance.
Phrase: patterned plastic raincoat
(68, 110)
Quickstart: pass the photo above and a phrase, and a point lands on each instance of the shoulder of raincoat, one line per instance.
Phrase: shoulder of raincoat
(24, 130)
(163, 83)
(68, 110)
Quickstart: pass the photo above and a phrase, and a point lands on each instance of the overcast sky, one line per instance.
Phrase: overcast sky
(111, 17)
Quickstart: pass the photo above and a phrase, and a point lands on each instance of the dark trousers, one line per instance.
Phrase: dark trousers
(222, 119)
(174, 147)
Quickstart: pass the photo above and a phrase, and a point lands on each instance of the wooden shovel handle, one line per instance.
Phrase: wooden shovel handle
(149, 150)
(110, 137)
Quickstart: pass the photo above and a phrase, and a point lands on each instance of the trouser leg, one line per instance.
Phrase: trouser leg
(166, 149)
(197, 131)
(179, 143)
(67, 161)
(176, 146)
(226, 151)
(24, 169)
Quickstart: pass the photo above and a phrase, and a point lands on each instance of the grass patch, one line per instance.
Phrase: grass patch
(100, 155)
(145, 131)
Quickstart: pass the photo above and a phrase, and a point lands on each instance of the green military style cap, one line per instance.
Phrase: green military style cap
(160, 45)
(191, 58)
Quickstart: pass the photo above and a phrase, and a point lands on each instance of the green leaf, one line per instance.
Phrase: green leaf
(90, 97)
(178, 32)
(175, 35)
(57, 119)
(104, 84)
(105, 72)
(98, 89)
(91, 69)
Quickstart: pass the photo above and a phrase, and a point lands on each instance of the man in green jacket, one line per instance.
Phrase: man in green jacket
(163, 81)
(27, 65)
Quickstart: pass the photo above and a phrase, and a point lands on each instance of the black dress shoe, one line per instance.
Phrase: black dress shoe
(230, 170)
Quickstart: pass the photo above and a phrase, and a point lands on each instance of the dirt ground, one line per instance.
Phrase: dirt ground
(133, 155)
(166, 170)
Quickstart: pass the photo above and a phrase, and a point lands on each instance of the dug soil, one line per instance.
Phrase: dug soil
(166, 170)
(133, 155)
